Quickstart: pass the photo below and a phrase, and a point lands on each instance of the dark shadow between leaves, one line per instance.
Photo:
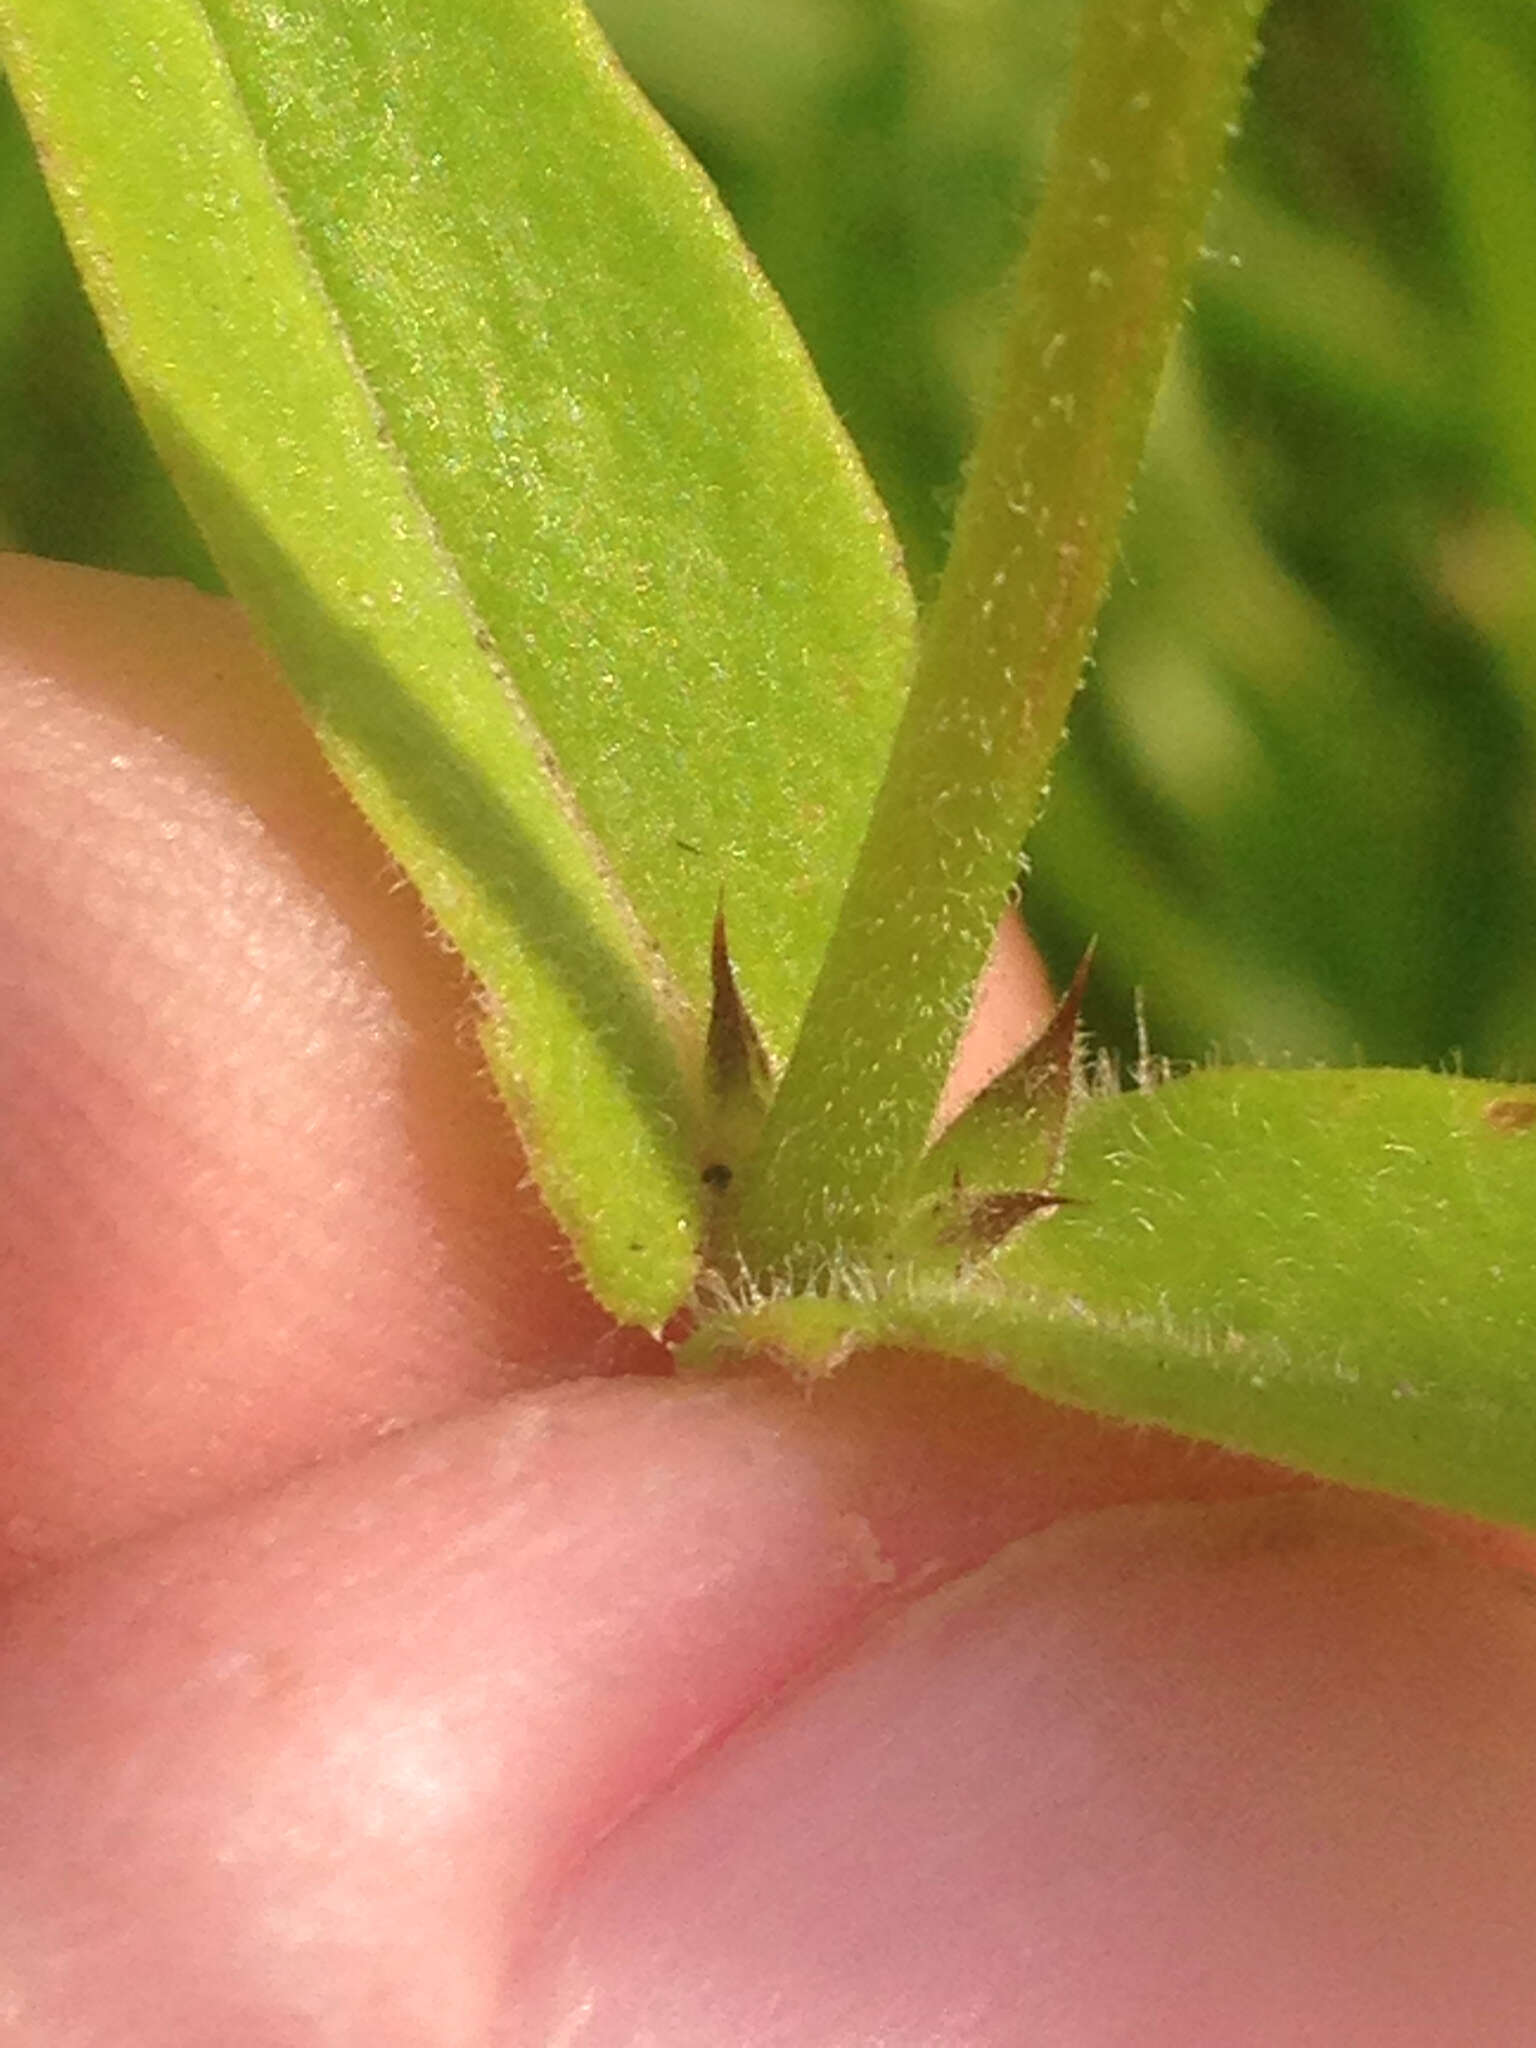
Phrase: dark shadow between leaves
(449, 793)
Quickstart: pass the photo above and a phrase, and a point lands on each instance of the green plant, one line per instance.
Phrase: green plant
(504, 444)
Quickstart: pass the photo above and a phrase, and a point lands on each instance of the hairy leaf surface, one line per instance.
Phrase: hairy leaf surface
(1332, 1269)
(498, 433)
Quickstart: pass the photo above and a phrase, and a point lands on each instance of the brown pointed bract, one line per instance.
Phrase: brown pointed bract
(735, 1061)
(1024, 1111)
(1039, 1082)
(979, 1223)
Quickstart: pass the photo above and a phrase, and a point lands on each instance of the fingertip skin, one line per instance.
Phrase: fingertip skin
(257, 1199)
(1252, 1773)
(313, 1769)
(305, 1770)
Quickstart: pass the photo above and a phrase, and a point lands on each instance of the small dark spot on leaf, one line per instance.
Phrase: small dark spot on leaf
(1510, 1113)
(687, 845)
(717, 1176)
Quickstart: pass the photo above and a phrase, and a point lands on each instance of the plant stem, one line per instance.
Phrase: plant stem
(1153, 101)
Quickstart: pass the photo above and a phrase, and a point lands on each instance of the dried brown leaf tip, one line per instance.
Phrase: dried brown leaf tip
(1039, 1083)
(1001, 1157)
(738, 1087)
(978, 1224)
(736, 1062)
(1511, 1113)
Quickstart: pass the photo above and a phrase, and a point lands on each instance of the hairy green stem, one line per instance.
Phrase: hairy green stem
(1153, 101)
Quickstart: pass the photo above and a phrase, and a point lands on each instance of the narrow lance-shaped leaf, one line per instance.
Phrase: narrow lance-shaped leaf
(1333, 1270)
(1154, 93)
(494, 428)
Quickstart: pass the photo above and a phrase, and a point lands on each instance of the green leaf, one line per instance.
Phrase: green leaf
(78, 478)
(1329, 1269)
(1154, 96)
(494, 428)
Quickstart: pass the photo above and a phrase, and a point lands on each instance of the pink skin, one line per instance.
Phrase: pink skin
(374, 1673)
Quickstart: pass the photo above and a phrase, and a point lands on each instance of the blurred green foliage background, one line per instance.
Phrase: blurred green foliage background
(1299, 803)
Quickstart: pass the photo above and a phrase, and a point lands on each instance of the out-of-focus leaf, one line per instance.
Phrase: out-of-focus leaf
(1480, 86)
